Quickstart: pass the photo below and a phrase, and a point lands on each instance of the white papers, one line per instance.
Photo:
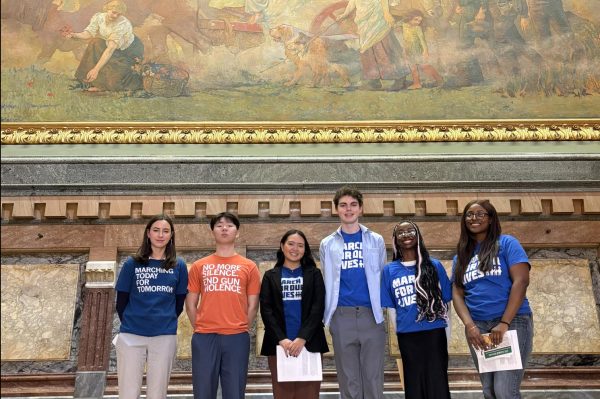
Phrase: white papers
(505, 356)
(306, 367)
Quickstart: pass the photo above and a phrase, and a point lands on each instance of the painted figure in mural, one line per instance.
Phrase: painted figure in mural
(416, 50)
(380, 51)
(470, 20)
(546, 13)
(352, 258)
(292, 302)
(151, 291)
(419, 290)
(113, 50)
(508, 43)
(221, 305)
(490, 278)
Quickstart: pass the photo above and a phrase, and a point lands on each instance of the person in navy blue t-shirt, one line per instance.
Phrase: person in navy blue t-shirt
(151, 291)
(292, 302)
(418, 288)
(490, 279)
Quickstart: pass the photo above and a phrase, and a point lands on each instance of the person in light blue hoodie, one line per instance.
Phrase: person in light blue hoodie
(352, 258)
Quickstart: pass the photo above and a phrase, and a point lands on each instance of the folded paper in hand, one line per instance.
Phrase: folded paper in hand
(306, 367)
(504, 356)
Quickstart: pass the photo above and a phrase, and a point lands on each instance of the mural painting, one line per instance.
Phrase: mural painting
(299, 60)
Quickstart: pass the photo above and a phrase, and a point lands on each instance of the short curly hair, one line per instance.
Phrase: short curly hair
(348, 191)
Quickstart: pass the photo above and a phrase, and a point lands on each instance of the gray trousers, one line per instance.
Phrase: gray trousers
(359, 348)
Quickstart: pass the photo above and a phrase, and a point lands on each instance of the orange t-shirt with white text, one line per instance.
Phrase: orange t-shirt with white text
(224, 285)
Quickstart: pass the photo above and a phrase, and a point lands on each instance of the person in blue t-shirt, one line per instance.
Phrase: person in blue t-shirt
(352, 258)
(292, 302)
(151, 291)
(490, 279)
(418, 288)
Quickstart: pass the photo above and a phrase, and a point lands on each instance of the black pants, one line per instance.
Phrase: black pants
(425, 361)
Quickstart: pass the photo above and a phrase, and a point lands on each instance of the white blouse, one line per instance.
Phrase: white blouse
(120, 31)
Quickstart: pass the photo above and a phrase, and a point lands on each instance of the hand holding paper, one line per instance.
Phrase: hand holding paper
(305, 367)
(505, 356)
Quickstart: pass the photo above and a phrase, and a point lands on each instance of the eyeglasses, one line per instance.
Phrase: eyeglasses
(477, 215)
(407, 233)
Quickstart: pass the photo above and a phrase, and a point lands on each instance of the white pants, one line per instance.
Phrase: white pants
(133, 352)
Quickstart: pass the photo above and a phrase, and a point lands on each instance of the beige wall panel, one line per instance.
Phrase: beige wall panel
(501, 203)
(405, 204)
(591, 203)
(38, 305)
(152, 207)
(87, 208)
(23, 208)
(55, 208)
(530, 204)
(120, 208)
(372, 205)
(562, 204)
(184, 206)
(436, 205)
(214, 205)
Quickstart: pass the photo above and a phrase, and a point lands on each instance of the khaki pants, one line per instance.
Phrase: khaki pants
(133, 353)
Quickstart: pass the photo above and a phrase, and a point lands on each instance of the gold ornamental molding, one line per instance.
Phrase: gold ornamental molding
(285, 133)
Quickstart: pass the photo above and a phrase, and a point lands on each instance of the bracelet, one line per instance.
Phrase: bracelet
(472, 326)
(504, 322)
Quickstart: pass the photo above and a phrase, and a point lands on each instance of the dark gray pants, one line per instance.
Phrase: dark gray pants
(359, 348)
(224, 357)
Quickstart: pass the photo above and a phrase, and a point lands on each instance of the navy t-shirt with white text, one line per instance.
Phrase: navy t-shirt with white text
(291, 289)
(354, 290)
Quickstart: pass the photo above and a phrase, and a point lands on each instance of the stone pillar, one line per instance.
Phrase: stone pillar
(98, 308)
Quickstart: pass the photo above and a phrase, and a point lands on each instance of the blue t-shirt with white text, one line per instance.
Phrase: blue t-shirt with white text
(152, 292)
(398, 291)
(354, 290)
(291, 289)
(486, 294)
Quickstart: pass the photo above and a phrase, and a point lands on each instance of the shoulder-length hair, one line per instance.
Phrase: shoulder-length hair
(307, 260)
(488, 248)
(427, 283)
(145, 250)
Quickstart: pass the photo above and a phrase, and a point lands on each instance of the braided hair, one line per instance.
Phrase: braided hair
(429, 294)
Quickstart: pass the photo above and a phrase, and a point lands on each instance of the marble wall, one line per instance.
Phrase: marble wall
(563, 293)
(38, 307)
(67, 310)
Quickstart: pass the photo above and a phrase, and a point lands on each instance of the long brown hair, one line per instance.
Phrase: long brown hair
(488, 249)
(145, 250)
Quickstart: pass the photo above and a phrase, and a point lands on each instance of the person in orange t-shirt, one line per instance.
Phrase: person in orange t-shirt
(221, 305)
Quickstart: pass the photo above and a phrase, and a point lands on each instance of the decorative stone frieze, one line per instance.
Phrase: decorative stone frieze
(100, 274)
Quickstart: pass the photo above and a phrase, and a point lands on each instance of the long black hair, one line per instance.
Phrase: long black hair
(488, 249)
(427, 284)
(145, 250)
(307, 259)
